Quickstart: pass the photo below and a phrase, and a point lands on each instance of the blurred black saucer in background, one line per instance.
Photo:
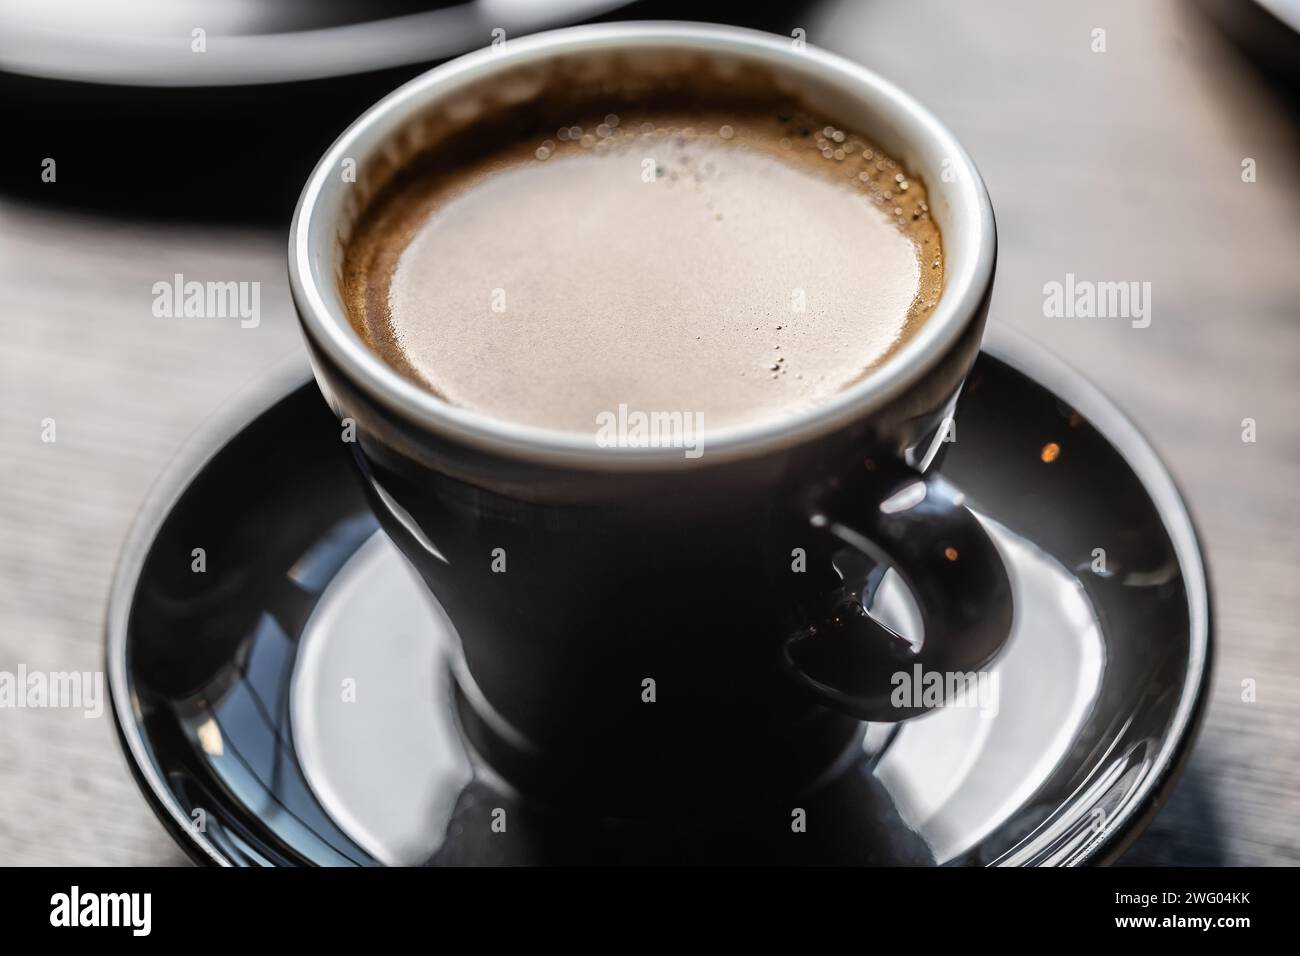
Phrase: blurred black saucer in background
(140, 124)
(1265, 32)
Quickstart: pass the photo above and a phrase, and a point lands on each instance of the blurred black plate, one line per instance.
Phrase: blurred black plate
(139, 125)
(251, 42)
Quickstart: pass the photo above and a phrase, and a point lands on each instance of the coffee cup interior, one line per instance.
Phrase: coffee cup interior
(621, 63)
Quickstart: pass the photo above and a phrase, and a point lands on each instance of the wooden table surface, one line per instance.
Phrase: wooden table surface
(1114, 166)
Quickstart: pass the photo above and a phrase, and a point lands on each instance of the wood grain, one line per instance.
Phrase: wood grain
(1123, 165)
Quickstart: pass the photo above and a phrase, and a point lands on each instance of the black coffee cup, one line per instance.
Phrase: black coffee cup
(638, 627)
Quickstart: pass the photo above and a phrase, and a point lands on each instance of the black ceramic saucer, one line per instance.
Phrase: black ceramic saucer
(292, 703)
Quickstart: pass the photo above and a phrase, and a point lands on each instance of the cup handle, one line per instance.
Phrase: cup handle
(920, 526)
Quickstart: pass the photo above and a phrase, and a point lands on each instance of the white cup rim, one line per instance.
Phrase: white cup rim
(313, 246)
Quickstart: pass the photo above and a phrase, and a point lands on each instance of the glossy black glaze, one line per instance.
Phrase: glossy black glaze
(689, 577)
(214, 649)
(270, 495)
(921, 527)
(623, 612)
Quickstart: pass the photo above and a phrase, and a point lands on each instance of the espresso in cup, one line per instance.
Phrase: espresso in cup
(736, 256)
(679, 218)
